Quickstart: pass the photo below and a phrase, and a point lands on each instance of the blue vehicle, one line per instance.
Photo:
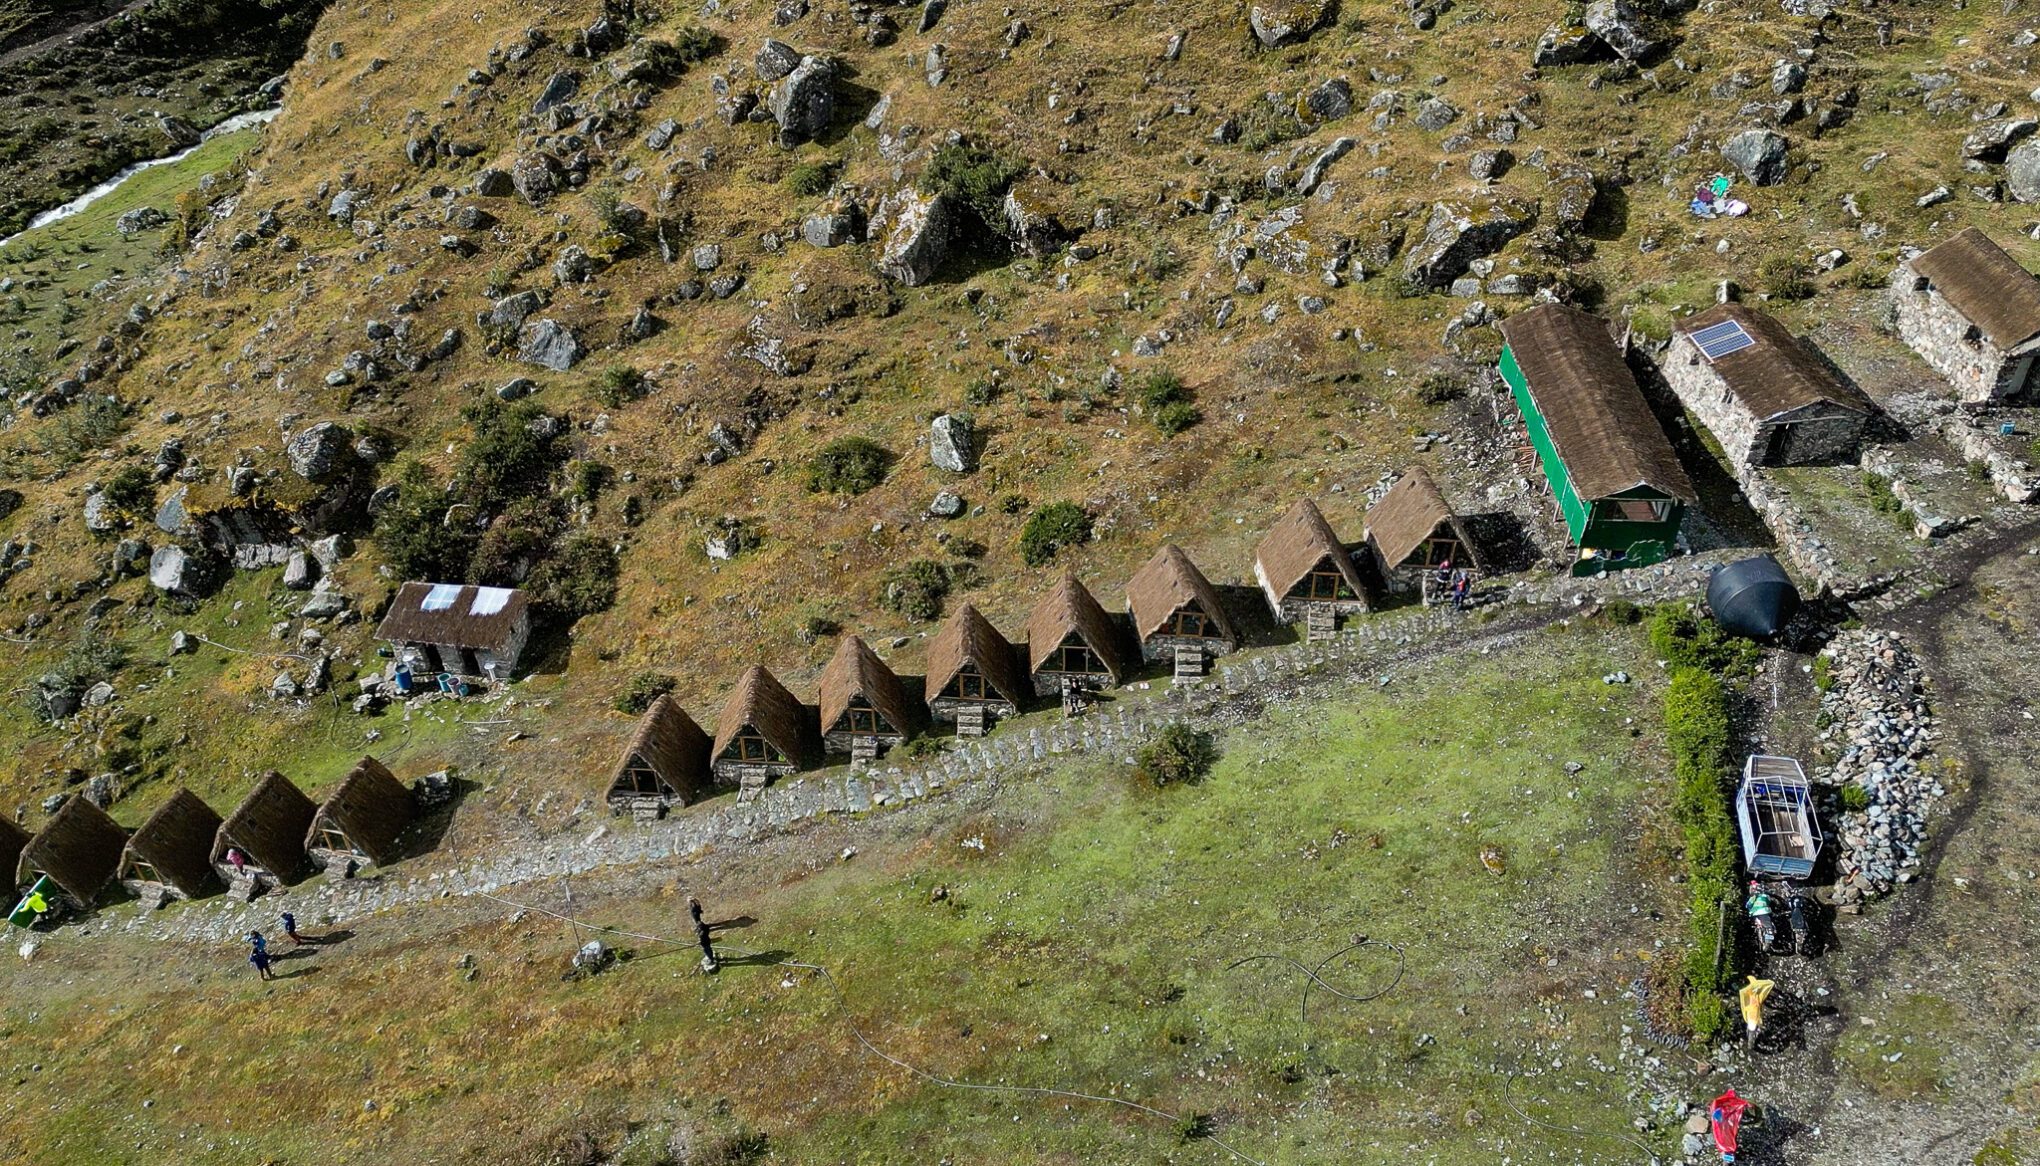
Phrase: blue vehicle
(1774, 807)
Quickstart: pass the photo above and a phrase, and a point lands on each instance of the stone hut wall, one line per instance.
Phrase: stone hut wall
(1931, 326)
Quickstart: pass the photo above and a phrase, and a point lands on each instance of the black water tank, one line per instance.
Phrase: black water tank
(1753, 597)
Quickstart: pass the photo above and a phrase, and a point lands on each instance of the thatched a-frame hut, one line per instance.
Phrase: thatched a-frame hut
(78, 848)
(666, 762)
(1304, 569)
(764, 732)
(1175, 606)
(971, 664)
(173, 849)
(1414, 533)
(268, 829)
(1071, 641)
(363, 818)
(862, 697)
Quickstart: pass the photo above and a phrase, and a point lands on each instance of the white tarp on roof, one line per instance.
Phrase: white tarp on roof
(489, 600)
(441, 597)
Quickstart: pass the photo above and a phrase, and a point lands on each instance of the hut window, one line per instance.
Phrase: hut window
(1438, 552)
(1325, 583)
(1076, 657)
(142, 872)
(861, 720)
(1638, 510)
(639, 779)
(1973, 336)
(1920, 283)
(332, 839)
(751, 747)
(1192, 623)
(970, 685)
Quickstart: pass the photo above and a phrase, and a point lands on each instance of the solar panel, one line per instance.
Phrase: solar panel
(489, 600)
(1718, 340)
(441, 597)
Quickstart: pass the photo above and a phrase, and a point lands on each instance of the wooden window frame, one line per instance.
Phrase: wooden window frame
(752, 747)
(1079, 658)
(1314, 584)
(1194, 624)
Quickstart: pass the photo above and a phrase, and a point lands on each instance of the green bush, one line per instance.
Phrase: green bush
(982, 391)
(1438, 388)
(1785, 277)
(1179, 755)
(1265, 124)
(694, 44)
(412, 533)
(1622, 611)
(1882, 499)
(1175, 417)
(1699, 737)
(915, 589)
(641, 690)
(620, 386)
(131, 492)
(578, 580)
(975, 176)
(1050, 529)
(590, 479)
(1823, 672)
(512, 454)
(849, 465)
(1167, 403)
(1684, 639)
(812, 178)
(1013, 504)
(1855, 799)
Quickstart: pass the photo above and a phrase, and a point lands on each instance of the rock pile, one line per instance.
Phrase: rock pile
(1876, 717)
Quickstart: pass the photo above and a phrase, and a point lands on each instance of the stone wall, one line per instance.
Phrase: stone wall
(2012, 476)
(1703, 391)
(943, 708)
(1162, 649)
(1928, 323)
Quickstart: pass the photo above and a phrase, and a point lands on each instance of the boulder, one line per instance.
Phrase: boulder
(142, 218)
(1759, 154)
(1568, 44)
(828, 229)
(493, 184)
(2022, 172)
(99, 516)
(1276, 23)
(1573, 191)
(775, 59)
(511, 311)
(1787, 78)
(298, 572)
(559, 89)
(917, 230)
(550, 344)
(803, 102)
(1992, 140)
(172, 517)
(947, 504)
(573, 265)
(1435, 113)
(320, 452)
(182, 134)
(1314, 174)
(516, 389)
(1030, 211)
(536, 176)
(1626, 28)
(1328, 101)
(952, 444)
(1456, 234)
(170, 570)
(662, 135)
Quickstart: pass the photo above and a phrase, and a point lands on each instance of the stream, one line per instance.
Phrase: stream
(234, 124)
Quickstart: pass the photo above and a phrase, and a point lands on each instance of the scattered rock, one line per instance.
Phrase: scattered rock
(947, 504)
(1456, 234)
(952, 444)
(1992, 140)
(804, 101)
(1759, 154)
(1633, 34)
(1277, 23)
(2022, 172)
(775, 59)
(550, 344)
(319, 452)
(917, 230)
(1329, 101)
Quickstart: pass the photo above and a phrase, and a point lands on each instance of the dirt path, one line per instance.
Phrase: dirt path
(65, 26)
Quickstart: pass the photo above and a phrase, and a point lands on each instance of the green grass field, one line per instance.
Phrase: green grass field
(1083, 938)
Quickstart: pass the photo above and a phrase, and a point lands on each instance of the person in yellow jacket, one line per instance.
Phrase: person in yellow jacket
(1752, 997)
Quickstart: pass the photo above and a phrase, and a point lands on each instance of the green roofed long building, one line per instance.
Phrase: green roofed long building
(1616, 480)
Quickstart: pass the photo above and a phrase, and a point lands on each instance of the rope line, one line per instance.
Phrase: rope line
(1314, 977)
(1510, 1080)
(843, 1008)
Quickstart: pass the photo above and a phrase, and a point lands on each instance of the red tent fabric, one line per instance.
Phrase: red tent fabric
(1726, 1115)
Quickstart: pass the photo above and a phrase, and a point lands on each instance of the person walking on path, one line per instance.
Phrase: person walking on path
(257, 942)
(259, 956)
(290, 929)
(694, 910)
(708, 961)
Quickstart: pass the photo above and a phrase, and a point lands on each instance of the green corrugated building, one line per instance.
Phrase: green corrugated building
(1616, 480)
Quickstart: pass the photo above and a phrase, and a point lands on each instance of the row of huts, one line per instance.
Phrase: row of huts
(186, 850)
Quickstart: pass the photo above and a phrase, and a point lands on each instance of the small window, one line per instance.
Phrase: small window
(1973, 336)
(1921, 284)
(862, 721)
(750, 747)
(1192, 623)
(1326, 583)
(1076, 657)
(331, 839)
(970, 685)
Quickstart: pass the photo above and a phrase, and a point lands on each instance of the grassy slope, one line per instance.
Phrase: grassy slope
(1289, 411)
(1101, 916)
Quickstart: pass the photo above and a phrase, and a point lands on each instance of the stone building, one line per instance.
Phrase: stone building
(664, 765)
(268, 831)
(1175, 606)
(1306, 572)
(78, 849)
(458, 629)
(763, 733)
(1766, 399)
(362, 820)
(863, 700)
(973, 671)
(1414, 534)
(1071, 642)
(171, 855)
(1973, 313)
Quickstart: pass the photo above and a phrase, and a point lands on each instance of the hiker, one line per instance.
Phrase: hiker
(694, 911)
(1759, 907)
(238, 861)
(290, 929)
(257, 942)
(708, 960)
(260, 958)
(1462, 584)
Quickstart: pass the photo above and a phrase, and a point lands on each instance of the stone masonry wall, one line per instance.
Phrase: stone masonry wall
(1701, 389)
(1932, 327)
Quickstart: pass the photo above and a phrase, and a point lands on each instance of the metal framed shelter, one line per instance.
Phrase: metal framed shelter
(1774, 809)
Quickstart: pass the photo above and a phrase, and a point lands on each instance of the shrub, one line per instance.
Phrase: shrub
(412, 534)
(1698, 735)
(1167, 403)
(975, 176)
(1013, 504)
(1685, 640)
(505, 553)
(1175, 417)
(848, 465)
(915, 589)
(1050, 529)
(590, 479)
(511, 455)
(1622, 611)
(1439, 388)
(1823, 672)
(580, 578)
(1784, 277)
(1882, 498)
(131, 492)
(90, 659)
(1179, 755)
(620, 386)
(812, 178)
(694, 44)
(966, 548)
(1855, 799)
(641, 690)
(1266, 124)
(982, 391)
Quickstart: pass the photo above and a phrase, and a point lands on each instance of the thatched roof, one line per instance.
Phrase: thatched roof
(269, 826)
(1596, 416)
(970, 638)
(1294, 547)
(371, 807)
(482, 618)
(1775, 374)
(1986, 285)
(79, 848)
(1072, 608)
(1164, 585)
(765, 705)
(1408, 515)
(855, 670)
(177, 840)
(670, 744)
(12, 839)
